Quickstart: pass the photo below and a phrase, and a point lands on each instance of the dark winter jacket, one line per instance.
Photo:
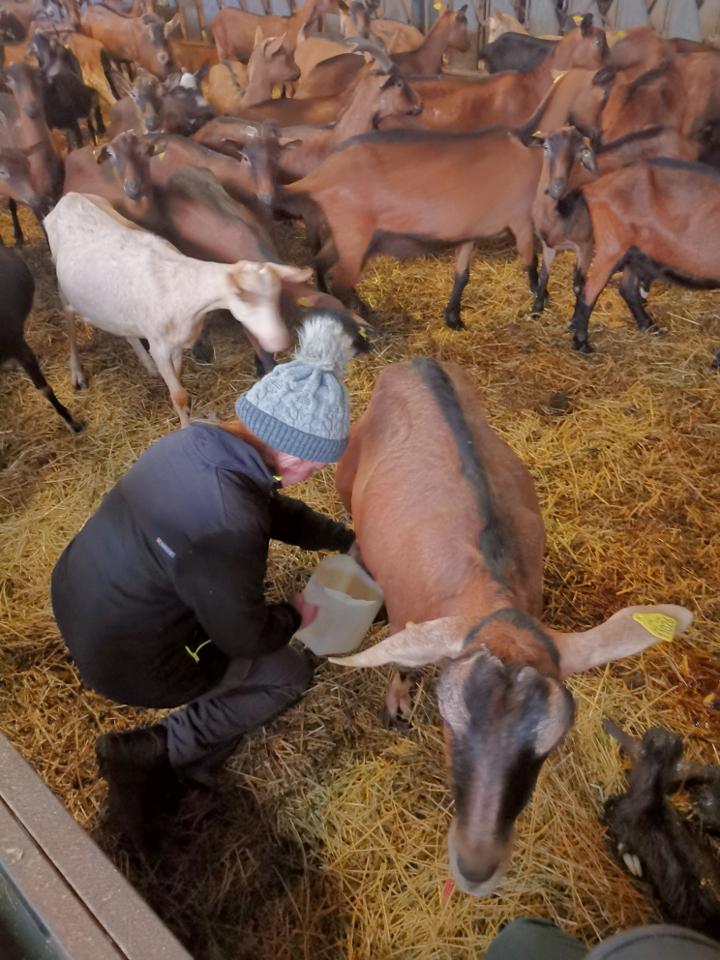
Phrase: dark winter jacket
(165, 582)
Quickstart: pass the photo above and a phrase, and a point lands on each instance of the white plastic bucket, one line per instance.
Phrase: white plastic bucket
(348, 600)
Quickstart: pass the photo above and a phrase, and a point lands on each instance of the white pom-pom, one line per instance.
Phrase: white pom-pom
(324, 343)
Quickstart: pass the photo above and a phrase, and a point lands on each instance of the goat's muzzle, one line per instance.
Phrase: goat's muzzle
(133, 188)
(556, 188)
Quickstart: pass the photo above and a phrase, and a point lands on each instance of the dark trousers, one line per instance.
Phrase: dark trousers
(528, 939)
(250, 693)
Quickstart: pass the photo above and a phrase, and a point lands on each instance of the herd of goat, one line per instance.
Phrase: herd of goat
(606, 150)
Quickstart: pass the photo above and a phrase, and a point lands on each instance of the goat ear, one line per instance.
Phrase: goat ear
(605, 76)
(586, 25)
(625, 633)
(291, 274)
(415, 646)
(101, 155)
(288, 144)
(259, 37)
(274, 45)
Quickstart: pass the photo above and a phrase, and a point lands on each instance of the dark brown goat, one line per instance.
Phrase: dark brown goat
(135, 40)
(31, 135)
(175, 105)
(66, 98)
(18, 289)
(449, 32)
(656, 843)
(418, 191)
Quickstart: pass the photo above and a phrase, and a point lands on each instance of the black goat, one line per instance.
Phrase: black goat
(655, 842)
(18, 289)
(66, 98)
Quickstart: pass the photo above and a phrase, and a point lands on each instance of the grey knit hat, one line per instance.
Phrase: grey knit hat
(302, 407)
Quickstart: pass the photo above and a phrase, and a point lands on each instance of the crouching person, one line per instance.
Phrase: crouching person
(160, 596)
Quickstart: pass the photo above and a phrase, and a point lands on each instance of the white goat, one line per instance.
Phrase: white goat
(136, 285)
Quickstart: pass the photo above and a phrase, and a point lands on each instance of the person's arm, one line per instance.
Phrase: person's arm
(292, 521)
(221, 578)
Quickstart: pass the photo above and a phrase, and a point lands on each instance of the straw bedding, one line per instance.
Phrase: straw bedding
(326, 837)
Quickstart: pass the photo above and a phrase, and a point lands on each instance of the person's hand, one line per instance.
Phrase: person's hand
(308, 611)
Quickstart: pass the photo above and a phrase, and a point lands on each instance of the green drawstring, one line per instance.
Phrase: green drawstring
(194, 653)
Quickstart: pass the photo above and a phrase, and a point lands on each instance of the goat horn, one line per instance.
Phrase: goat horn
(377, 52)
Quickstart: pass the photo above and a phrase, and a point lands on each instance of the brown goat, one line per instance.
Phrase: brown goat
(234, 30)
(376, 96)
(683, 92)
(232, 86)
(449, 32)
(448, 523)
(135, 40)
(249, 178)
(506, 98)
(654, 217)
(419, 190)
(569, 162)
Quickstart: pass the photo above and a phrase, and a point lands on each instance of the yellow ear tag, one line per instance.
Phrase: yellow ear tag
(657, 624)
(620, 34)
(303, 302)
(437, 5)
(577, 19)
(276, 92)
(363, 332)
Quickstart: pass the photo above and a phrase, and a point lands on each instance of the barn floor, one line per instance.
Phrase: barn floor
(326, 838)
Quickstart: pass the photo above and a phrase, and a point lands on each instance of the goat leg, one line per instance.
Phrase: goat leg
(28, 360)
(398, 701)
(684, 772)
(541, 294)
(17, 229)
(463, 255)
(632, 290)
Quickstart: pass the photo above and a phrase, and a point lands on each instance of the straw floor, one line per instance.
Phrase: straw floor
(326, 839)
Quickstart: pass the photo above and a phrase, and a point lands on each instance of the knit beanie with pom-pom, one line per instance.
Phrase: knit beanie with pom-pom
(302, 407)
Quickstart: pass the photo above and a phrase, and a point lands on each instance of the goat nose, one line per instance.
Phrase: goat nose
(477, 873)
(133, 188)
(556, 188)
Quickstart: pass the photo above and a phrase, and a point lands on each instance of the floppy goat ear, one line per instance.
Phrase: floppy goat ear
(625, 633)
(415, 646)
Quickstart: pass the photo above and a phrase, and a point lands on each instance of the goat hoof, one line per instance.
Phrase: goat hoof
(632, 862)
(76, 426)
(715, 365)
(394, 720)
(203, 353)
(453, 321)
(582, 346)
(78, 381)
(537, 308)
